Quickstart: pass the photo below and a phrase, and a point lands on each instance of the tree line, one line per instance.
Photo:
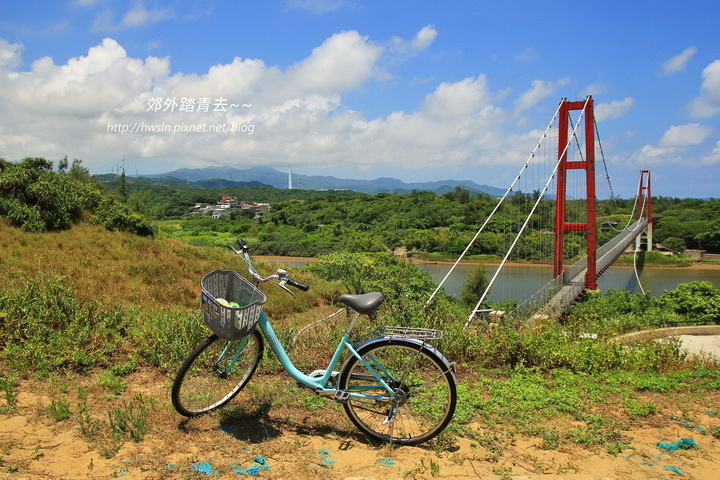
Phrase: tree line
(315, 223)
(37, 196)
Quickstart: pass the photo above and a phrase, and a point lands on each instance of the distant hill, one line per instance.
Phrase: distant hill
(170, 181)
(267, 176)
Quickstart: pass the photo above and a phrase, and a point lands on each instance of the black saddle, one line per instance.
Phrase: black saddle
(365, 304)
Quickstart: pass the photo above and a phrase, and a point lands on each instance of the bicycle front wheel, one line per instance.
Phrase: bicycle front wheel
(214, 373)
(423, 385)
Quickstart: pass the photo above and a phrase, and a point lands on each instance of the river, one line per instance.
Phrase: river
(520, 282)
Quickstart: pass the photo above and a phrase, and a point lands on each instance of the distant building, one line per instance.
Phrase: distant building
(261, 208)
(227, 204)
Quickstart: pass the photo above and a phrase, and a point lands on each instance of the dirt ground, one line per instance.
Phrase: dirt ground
(266, 439)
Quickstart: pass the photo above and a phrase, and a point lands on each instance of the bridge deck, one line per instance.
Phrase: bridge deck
(566, 288)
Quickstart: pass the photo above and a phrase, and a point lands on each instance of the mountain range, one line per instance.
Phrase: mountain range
(226, 176)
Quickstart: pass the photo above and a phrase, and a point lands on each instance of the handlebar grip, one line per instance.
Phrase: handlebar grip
(243, 246)
(298, 285)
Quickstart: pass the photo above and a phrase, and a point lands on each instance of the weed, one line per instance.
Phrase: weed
(82, 392)
(123, 369)
(434, 468)
(504, 473)
(494, 443)
(599, 431)
(89, 426)
(640, 409)
(550, 441)
(58, 410)
(111, 382)
(129, 421)
(7, 386)
(132, 419)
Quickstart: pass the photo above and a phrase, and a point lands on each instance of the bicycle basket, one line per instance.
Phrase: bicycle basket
(230, 323)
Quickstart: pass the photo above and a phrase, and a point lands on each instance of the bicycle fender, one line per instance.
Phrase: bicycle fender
(448, 365)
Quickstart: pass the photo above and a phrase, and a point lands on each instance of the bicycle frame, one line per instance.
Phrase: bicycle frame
(319, 385)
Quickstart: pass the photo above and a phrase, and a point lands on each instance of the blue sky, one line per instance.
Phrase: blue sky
(417, 90)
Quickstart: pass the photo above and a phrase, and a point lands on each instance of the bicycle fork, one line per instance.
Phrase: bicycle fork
(223, 372)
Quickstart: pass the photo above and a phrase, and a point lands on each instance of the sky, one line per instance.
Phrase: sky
(416, 90)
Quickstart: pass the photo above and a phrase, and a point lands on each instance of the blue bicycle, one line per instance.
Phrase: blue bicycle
(394, 386)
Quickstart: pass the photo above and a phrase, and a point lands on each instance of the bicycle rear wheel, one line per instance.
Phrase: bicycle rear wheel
(424, 386)
(214, 373)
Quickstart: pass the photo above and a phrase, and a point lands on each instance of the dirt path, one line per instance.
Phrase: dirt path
(314, 440)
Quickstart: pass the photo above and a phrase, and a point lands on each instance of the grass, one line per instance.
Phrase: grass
(86, 314)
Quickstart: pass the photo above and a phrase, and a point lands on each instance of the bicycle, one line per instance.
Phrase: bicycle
(394, 386)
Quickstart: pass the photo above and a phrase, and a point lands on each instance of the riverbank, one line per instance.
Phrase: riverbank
(492, 262)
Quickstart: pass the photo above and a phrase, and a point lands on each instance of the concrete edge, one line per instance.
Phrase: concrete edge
(667, 332)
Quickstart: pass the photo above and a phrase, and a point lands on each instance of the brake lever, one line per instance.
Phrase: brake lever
(282, 275)
(281, 284)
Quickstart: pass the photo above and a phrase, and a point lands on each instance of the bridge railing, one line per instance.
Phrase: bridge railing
(564, 289)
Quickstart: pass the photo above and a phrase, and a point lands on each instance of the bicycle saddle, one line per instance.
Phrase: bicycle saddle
(365, 304)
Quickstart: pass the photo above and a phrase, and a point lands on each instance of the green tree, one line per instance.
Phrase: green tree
(36, 199)
(475, 286)
(79, 173)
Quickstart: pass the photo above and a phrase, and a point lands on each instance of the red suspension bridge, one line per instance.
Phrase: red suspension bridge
(561, 172)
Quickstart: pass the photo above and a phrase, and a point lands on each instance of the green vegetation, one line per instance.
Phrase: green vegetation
(314, 223)
(38, 199)
(91, 308)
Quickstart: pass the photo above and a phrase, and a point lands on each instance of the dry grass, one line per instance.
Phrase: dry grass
(127, 270)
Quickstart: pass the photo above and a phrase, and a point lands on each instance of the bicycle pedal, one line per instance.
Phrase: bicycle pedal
(342, 396)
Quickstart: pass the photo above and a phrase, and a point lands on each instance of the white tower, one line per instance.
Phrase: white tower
(289, 179)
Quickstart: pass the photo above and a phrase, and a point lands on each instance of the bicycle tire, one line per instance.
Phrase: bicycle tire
(424, 383)
(203, 383)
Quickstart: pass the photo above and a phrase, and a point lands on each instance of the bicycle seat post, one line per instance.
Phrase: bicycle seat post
(353, 318)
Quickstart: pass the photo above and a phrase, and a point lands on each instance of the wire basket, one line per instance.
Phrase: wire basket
(230, 322)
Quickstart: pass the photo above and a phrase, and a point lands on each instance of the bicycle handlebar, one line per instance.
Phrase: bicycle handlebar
(281, 275)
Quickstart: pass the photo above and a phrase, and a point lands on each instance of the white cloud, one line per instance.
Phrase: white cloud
(458, 99)
(675, 145)
(10, 54)
(540, 90)
(678, 62)
(296, 113)
(344, 61)
(653, 155)
(317, 6)
(685, 135)
(137, 16)
(400, 49)
(85, 3)
(614, 109)
(714, 157)
(528, 55)
(424, 38)
(708, 103)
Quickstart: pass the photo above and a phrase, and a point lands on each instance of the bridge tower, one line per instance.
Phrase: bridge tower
(644, 199)
(564, 166)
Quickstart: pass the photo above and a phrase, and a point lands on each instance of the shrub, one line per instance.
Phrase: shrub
(37, 199)
(699, 302)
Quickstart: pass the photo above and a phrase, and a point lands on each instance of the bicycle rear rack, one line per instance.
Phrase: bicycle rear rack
(423, 334)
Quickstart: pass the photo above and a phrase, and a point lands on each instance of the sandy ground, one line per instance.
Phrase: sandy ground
(277, 442)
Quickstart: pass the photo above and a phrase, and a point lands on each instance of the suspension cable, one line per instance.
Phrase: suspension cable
(527, 220)
(497, 206)
(602, 155)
